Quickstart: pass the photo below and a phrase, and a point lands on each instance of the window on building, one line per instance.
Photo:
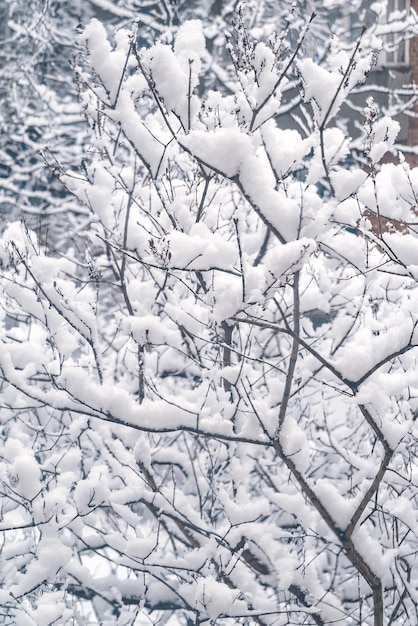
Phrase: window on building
(395, 43)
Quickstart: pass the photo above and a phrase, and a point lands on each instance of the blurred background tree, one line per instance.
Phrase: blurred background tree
(40, 117)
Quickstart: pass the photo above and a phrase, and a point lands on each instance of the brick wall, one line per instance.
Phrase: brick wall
(413, 125)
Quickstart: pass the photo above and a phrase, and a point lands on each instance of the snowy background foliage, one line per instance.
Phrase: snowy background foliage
(208, 384)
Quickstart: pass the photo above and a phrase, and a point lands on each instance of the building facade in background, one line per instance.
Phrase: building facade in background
(413, 118)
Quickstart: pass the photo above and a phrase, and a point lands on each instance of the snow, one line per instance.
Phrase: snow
(403, 247)
(281, 260)
(370, 549)
(118, 403)
(285, 147)
(50, 609)
(384, 135)
(334, 148)
(90, 492)
(172, 79)
(151, 329)
(107, 5)
(176, 72)
(140, 548)
(274, 205)
(340, 508)
(214, 599)
(109, 63)
(295, 443)
(223, 149)
(23, 470)
(51, 557)
(24, 476)
(190, 42)
(128, 464)
(228, 299)
(295, 505)
(141, 133)
(199, 250)
(321, 86)
(347, 182)
(240, 512)
(327, 89)
(360, 354)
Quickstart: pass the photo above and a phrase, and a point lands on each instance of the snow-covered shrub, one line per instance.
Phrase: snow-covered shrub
(208, 405)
